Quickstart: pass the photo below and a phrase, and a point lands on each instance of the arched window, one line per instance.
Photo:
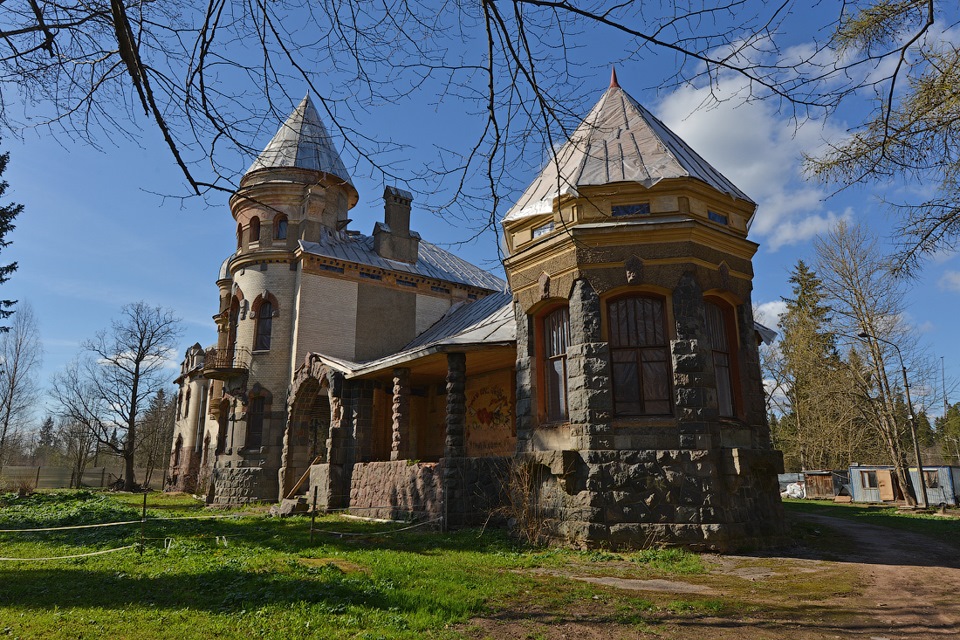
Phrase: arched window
(556, 337)
(254, 230)
(280, 228)
(261, 341)
(239, 236)
(178, 451)
(639, 358)
(724, 362)
(186, 405)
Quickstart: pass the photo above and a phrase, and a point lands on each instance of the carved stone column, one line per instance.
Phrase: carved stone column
(455, 447)
(400, 449)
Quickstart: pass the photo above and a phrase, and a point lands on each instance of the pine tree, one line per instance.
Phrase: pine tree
(45, 441)
(8, 212)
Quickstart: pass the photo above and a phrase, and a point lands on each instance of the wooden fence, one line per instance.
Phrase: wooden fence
(44, 477)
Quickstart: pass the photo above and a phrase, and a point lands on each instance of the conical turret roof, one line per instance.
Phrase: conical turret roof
(302, 142)
(618, 141)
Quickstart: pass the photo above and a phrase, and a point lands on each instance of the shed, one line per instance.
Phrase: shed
(824, 484)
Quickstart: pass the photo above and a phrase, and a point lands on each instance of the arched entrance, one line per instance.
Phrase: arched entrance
(306, 442)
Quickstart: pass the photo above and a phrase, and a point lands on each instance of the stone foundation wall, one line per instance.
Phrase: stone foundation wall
(709, 499)
(479, 490)
(242, 485)
(397, 490)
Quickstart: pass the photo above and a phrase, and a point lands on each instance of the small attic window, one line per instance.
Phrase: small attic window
(542, 230)
(638, 209)
(719, 218)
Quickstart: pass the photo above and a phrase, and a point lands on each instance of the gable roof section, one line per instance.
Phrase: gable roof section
(432, 261)
(618, 141)
(489, 319)
(302, 142)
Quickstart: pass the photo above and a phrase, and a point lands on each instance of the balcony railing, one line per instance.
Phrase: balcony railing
(221, 364)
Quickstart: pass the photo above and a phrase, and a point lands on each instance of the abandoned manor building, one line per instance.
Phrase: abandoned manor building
(613, 377)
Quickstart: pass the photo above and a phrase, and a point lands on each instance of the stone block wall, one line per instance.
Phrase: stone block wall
(243, 485)
(396, 490)
(711, 499)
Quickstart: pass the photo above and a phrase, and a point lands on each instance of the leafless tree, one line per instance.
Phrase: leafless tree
(156, 433)
(78, 444)
(867, 300)
(109, 389)
(21, 355)
(210, 76)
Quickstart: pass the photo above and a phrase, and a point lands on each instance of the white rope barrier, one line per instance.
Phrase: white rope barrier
(79, 555)
(76, 526)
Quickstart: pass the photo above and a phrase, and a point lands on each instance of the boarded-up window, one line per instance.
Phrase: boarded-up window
(718, 332)
(255, 423)
(556, 332)
(640, 361)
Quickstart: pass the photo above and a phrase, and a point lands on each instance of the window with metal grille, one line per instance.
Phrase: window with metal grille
(637, 209)
(556, 332)
(639, 358)
(718, 332)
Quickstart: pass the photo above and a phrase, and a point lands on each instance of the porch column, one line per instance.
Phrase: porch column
(400, 449)
(456, 405)
(455, 446)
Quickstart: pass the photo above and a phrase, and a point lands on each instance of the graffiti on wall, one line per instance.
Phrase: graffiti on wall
(490, 419)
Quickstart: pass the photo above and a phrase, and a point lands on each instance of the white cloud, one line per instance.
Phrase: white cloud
(950, 281)
(761, 151)
(768, 313)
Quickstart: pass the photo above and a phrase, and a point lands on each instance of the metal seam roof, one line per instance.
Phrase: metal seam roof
(432, 262)
(618, 141)
(302, 142)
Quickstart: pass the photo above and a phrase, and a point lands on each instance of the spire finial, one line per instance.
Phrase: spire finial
(613, 78)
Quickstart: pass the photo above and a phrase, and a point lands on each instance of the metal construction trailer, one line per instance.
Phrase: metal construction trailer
(878, 483)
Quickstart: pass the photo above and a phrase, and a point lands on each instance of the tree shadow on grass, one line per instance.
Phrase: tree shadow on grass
(222, 590)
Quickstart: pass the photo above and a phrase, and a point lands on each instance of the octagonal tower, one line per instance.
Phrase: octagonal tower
(638, 379)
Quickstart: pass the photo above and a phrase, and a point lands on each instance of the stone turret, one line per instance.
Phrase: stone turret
(300, 179)
(637, 361)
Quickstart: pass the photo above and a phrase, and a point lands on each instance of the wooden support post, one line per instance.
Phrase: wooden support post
(313, 516)
(143, 522)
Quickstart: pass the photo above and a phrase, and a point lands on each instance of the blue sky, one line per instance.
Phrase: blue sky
(95, 234)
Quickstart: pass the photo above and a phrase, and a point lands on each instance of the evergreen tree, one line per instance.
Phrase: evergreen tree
(8, 212)
(45, 441)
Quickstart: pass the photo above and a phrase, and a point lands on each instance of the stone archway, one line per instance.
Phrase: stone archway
(314, 412)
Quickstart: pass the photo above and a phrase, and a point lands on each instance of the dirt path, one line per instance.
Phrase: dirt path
(888, 585)
(911, 582)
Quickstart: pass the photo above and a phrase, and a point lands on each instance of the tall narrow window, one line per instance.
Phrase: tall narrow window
(280, 228)
(239, 236)
(640, 361)
(178, 452)
(718, 331)
(264, 327)
(254, 230)
(556, 332)
(255, 423)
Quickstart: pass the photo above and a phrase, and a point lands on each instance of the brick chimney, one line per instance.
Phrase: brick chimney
(392, 238)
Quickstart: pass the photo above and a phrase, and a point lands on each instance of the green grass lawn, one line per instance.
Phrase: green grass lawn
(254, 576)
(944, 529)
